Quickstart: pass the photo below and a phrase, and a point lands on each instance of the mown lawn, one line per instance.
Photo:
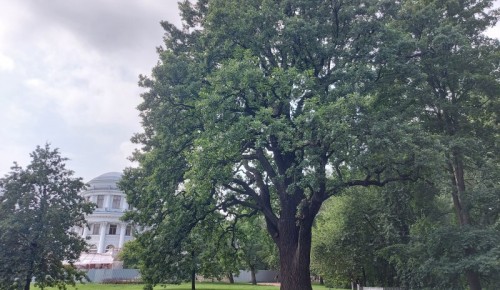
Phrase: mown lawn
(186, 286)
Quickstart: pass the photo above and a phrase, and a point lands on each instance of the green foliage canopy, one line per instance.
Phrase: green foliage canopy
(276, 106)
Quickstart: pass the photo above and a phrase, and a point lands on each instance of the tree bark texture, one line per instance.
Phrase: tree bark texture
(294, 251)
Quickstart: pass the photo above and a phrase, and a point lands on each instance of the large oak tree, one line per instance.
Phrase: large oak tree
(276, 106)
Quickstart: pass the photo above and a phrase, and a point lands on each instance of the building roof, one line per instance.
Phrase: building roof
(105, 181)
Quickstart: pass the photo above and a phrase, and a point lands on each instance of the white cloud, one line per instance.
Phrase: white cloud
(8, 152)
(79, 84)
(123, 154)
(493, 32)
(6, 63)
(14, 116)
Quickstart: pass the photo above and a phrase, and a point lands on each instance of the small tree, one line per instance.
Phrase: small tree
(352, 231)
(197, 247)
(38, 208)
(256, 248)
(131, 255)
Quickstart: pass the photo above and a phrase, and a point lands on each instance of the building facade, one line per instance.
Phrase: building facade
(106, 233)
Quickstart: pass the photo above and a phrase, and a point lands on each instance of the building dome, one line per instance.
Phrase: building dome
(106, 230)
(106, 181)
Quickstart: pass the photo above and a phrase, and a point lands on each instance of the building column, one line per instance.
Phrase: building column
(102, 236)
(108, 199)
(123, 228)
(85, 232)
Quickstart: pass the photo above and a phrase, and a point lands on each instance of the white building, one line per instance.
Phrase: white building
(106, 232)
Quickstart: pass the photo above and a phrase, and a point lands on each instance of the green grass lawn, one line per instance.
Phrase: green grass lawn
(186, 286)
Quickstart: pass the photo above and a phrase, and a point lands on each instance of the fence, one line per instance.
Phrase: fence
(103, 275)
(262, 276)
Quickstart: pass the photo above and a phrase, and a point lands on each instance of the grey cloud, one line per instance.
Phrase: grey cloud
(108, 25)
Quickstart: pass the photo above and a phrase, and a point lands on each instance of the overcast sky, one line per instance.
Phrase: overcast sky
(68, 76)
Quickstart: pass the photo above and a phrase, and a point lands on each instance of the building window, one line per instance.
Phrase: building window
(112, 230)
(128, 230)
(95, 229)
(100, 201)
(117, 201)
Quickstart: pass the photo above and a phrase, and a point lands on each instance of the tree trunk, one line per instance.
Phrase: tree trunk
(254, 277)
(29, 275)
(458, 182)
(27, 283)
(193, 271)
(462, 212)
(321, 282)
(473, 280)
(364, 276)
(193, 279)
(294, 249)
(231, 278)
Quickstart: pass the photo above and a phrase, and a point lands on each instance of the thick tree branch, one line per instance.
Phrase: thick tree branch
(261, 204)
